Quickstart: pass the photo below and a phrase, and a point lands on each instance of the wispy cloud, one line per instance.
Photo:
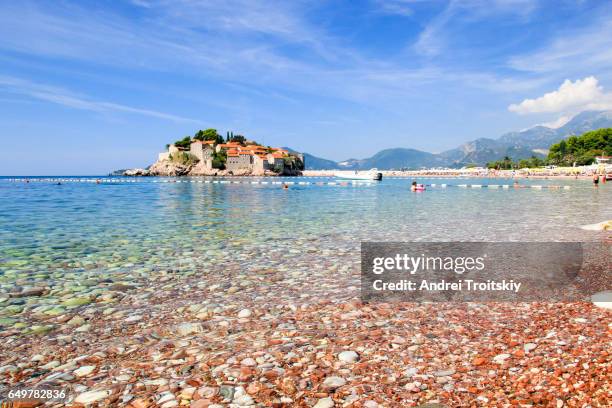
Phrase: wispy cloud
(396, 7)
(587, 48)
(435, 35)
(64, 97)
(256, 43)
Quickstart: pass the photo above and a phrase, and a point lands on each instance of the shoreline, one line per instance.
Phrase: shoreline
(458, 174)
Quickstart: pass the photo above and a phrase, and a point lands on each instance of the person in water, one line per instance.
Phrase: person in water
(285, 186)
(596, 180)
(417, 187)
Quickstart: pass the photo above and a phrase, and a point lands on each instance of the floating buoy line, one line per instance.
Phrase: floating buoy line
(246, 180)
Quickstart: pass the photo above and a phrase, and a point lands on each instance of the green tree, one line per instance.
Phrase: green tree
(183, 143)
(582, 149)
(219, 159)
(238, 138)
(208, 134)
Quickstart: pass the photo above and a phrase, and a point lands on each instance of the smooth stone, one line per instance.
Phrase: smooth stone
(76, 321)
(51, 365)
(185, 329)
(5, 321)
(40, 329)
(227, 392)
(133, 319)
(56, 311)
(243, 400)
(37, 357)
(34, 291)
(84, 371)
(249, 362)
(244, 313)
(348, 356)
(445, 373)
(324, 403)
(411, 371)
(8, 369)
(529, 347)
(333, 382)
(83, 329)
(166, 397)
(90, 397)
(500, 358)
(80, 301)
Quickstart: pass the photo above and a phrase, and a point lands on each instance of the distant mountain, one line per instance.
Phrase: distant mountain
(398, 158)
(314, 162)
(317, 163)
(517, 145)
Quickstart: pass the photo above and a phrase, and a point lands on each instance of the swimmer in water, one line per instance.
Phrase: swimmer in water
(285, 186)
(417, 187)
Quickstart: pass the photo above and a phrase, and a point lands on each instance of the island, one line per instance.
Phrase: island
(207, 153)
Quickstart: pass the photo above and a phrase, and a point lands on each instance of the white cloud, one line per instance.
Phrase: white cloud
(63, 97)
(582, 94)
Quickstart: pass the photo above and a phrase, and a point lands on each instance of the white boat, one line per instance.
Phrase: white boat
(372, 174)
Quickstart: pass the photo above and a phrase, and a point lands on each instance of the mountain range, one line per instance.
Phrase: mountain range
(517, 145)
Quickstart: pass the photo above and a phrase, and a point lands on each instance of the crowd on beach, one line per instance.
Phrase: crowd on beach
(582, 172)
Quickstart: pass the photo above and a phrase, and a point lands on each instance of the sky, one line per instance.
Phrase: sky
(88, 87)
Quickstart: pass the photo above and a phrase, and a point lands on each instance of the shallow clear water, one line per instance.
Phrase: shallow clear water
(147, 225)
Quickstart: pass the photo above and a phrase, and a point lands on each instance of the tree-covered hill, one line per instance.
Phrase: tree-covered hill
(583, 149)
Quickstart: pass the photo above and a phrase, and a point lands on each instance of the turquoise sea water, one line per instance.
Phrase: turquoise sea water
(50, 231)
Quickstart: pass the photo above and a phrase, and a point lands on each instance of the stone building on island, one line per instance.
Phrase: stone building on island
(248, 158)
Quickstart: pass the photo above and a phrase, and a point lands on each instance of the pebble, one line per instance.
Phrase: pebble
(500, 358)
(90, 397)
(84, 371)
(333, 382)
(185, 329)
(529, 347)
(348, 356)
(79, 301)
(76, 321)
(133, 319)
(324, 403)
(248, 362)
(444, 373)
(244, 313)
(83, 329)
(227, 392)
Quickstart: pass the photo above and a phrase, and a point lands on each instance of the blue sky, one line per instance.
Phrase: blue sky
(89, 87)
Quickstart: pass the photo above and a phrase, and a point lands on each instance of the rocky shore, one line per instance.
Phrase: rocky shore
(170, 168)
(281, 339)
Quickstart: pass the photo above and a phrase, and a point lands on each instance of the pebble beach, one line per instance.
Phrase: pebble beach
(273, 339)
(184, 305)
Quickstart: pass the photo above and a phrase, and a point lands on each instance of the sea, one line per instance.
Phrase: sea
(59, 228)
